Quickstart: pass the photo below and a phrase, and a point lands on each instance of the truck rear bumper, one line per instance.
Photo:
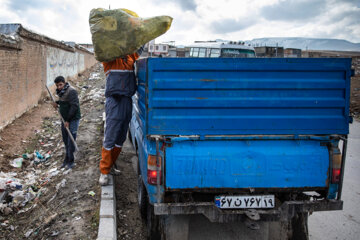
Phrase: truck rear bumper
(283, 213)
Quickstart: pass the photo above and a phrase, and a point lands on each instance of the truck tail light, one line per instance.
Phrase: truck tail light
(336, 167)
(152, 172)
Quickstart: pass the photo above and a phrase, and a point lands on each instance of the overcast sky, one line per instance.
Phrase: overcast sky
(196, 19)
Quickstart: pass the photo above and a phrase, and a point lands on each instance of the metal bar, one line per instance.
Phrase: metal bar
(244, 137)
(63, 121)
(283, 212)
(158, 170)
(342, 167)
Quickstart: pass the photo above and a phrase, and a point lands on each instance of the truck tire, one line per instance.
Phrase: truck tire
(299, 225)
(152, 224)
(142, 198)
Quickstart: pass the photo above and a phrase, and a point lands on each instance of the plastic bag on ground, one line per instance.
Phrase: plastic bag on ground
(119, 32)
(17, 162)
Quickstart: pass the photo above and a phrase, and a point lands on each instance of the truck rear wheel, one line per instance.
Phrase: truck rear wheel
(142, 198)
(152, 224)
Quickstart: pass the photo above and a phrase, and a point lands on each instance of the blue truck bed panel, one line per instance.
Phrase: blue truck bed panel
(187, 96)
(246, 164)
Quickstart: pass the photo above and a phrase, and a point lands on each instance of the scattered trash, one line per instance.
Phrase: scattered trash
(17, 162)
(52, 198)
(54, 233)
(28, 233)
(77, 218)
(38, 155)
(18, 197)
(12, 228)
(2, 196)
(48, 145)
(28, 156)
(53, 172)
(91, 193)
(7, 211)
(61, 184)
(94, 76)
(13, 184)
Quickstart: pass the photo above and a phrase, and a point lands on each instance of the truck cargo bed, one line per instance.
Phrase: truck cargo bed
(187, 96)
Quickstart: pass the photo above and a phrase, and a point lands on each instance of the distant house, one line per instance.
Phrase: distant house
(172, 52)
(269, 52)
(158, 49)
(182, 52)
(292, 52)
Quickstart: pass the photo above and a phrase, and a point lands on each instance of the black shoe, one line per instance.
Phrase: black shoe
(63, 165)
(70, 165)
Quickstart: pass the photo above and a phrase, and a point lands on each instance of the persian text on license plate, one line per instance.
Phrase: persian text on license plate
(265, 201)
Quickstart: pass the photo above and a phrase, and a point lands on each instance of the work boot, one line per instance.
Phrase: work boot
(104, 179)
(106, 161)
(115, 154)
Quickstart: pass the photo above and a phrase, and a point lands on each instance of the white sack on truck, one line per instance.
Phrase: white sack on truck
(120, 32)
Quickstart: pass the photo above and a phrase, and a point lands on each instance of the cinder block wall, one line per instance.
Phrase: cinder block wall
(25, 70)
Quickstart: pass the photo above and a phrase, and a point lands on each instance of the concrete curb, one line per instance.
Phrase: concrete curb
(107, 221)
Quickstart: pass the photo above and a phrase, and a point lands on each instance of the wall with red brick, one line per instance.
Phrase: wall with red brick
(26, 68)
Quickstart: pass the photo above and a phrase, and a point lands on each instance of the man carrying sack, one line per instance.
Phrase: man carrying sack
(116, 35)
(120, 87)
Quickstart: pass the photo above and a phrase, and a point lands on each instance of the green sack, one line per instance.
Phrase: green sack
(119, 32)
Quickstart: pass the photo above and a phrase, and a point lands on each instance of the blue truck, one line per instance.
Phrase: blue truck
(247, 140)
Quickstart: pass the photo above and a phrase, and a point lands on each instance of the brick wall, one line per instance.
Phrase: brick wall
(25, 69)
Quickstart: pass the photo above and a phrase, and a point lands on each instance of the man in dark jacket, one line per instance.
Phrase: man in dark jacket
(69, 108)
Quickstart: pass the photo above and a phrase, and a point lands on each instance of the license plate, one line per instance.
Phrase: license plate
(265, 201)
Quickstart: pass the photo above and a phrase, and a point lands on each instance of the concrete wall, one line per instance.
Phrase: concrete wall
(28, 62)
(64, 63)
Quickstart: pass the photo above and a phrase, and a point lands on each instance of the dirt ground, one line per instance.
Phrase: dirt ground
(62, 205)
(129, 222)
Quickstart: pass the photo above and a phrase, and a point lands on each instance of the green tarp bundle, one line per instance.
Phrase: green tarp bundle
(119, 32)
